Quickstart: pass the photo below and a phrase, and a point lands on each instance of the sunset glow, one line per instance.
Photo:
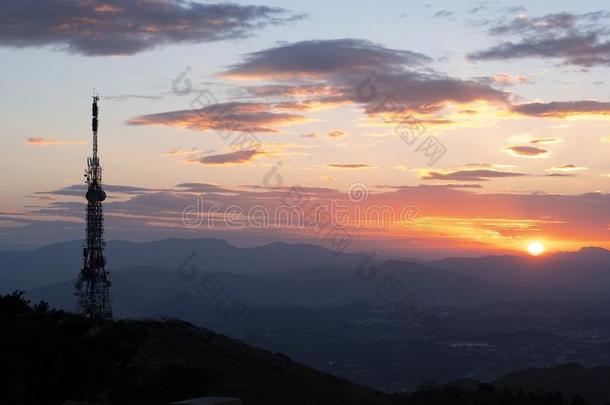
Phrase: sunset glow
(535, 248)
(492, 146)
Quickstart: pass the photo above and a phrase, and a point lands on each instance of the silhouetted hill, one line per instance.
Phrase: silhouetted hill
(50, 357)
(572, 380)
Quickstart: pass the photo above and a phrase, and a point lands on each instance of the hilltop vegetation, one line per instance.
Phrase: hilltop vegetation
(49, 357)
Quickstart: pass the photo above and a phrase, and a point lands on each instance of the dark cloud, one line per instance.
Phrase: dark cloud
(542, 141)
(526, 151)
(125, 97)
(81, 189)
(125, 27)
(468, 175)
(201, 188)
(576, 39)
(568, 168)
(560, 109)
(443, 14)
(231, 117)
(232, 158)
(380, 79)
(316, 59)
(476, 9)
(559, 175)
(437, 186)
(349, 166)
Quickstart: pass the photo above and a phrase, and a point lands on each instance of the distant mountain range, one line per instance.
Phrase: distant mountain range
(61, 262)
(146, 276)
(584, 271)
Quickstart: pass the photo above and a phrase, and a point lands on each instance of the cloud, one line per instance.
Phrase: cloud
(526, 151)
(336, 72)
(231, 158)
(302, 90)
(486, 166)
(576, 39)
(543, 141)
(126, 27)
(310, 135)
(562, 109)
(80, 190)
(180, 151)
(337, 134)
(504, 79)
(559, 175)
(568, 168)
(349, 166)
(319, 59)
(466, 175)
(443, 14)
(605, 139)
(202, 188)
(47, 141)
(125, 97)
(226, 117)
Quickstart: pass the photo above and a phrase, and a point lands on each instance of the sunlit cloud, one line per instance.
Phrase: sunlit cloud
(476, 175)
(48, 141)
(229, 159)
(449, 215)
(333, 73)
(526, 151)
(229, 117)
(181, 152)
(337, 134)
(568, 168)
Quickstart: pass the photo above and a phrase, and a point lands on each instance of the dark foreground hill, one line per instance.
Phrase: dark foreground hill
(50, 357)
(571, 379)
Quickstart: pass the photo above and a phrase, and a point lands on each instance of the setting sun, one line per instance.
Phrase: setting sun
(535, 248)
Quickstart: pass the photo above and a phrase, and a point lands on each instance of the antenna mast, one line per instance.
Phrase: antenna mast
(93, 287)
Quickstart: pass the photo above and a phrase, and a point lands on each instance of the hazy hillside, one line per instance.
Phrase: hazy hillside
(61, 262)
(585, 271)
(147, 290)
